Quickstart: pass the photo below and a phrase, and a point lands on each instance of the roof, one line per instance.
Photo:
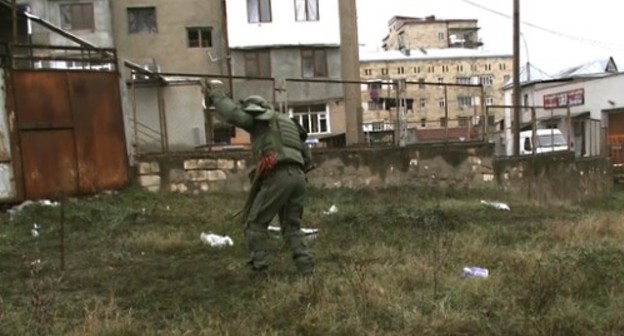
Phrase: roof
(597, 67)
(529, 73)
(431, 18)
(427, 54)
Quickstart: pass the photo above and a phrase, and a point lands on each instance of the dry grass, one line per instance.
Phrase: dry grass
(389, 263)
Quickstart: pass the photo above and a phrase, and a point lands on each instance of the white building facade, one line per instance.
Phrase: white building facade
(295, 43)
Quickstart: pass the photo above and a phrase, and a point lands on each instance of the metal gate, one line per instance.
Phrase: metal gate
(69, 133)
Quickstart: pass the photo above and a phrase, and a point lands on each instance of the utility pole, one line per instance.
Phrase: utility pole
(516, 77)
(350, 65)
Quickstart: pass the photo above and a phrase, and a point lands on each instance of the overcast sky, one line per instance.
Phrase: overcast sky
(570, 32)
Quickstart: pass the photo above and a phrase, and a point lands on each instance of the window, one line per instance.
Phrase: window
(306, 10)
(460, 68)
(431, 69)
(440, 81)
(77, 16)
(258, 11)
(258, 63)
(443, 122)
(489, 100)
(487, 67)
(441, 36)
(375, 105)
(464, 121)
(442, 102)
(506, 78)
(313, 118)
(142, 20)
(464, 101)
(377, 126)
(314, 63)
(491, 120)
(473, 67)
(445, 68)
(200, 37)
(400, 70)
(463, 80)
(421, 83)
(487, 80)
(423, 122)
(502, 66)
(417, 70)
(423, 102)
(368, 72)
(384, 71)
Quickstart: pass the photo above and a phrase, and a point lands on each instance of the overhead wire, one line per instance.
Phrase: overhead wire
(595, 43)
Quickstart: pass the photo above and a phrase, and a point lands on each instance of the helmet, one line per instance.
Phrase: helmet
(258, 107)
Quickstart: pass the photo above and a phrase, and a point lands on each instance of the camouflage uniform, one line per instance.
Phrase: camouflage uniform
(282, 158)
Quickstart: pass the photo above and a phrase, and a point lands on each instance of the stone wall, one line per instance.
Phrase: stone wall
(463, 165)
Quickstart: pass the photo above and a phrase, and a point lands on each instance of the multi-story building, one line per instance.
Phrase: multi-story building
(89, 20)
(292, 42)
(447, 85)
(413, 33)
(184, 37)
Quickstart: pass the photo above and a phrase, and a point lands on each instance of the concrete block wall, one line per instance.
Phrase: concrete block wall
(544, 178)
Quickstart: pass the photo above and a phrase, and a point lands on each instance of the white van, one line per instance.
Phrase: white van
(545, 141)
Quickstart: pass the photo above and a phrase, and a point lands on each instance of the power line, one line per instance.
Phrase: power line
(595, 43)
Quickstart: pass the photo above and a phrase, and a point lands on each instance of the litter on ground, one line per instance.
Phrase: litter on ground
(332, 210)
(214, 240)
(497, 205)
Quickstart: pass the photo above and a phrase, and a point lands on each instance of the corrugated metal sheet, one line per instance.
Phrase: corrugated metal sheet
(71, 132)
(7, 184)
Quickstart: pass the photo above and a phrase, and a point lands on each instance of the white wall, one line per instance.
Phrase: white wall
(598, 92)
(284, 29)
(184, 114)
(7, 183)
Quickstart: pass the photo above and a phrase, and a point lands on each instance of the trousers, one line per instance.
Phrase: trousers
(281, 193)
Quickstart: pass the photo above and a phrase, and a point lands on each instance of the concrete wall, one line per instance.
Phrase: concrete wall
(184, 116)
(102, 36)
(286, 63)
(169, 46)
(283, 28)
(544, 179)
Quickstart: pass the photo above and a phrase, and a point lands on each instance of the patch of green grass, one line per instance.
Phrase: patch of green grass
(388, 262)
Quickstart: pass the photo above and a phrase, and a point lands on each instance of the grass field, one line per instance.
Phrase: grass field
(389, 262)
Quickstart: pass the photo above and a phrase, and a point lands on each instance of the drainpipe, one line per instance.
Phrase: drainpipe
(226, 48)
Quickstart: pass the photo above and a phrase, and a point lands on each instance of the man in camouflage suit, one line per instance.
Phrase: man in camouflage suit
(279, 178)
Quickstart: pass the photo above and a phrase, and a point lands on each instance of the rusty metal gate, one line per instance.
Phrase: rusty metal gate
(68, 133)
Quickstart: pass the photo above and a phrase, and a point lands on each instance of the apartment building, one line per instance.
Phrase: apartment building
(89, 20)
(174, 39)
(182, 36)
(413, 33)
(448, 84)
(294, 42)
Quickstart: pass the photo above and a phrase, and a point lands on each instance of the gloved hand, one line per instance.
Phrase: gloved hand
(214, 84)
(208, 86)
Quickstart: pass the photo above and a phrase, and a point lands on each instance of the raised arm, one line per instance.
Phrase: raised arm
(227, 109)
